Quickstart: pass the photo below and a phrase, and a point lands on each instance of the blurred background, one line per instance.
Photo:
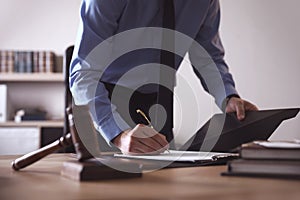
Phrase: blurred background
(261, 39)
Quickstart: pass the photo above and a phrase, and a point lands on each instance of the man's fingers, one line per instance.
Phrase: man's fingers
(144, 140)
(240, 110)
(239, 106)
(143, 146)
(152, 144)
(137, 147)
(134, 151)
(250, 106)
(157, 137)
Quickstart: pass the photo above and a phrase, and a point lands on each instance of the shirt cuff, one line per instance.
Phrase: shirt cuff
(225, 101)
(220, 95)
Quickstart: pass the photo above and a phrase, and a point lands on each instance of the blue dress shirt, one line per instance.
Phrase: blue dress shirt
(102, 19)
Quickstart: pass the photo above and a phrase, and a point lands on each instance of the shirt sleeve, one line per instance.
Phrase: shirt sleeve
(98, 22)
(208, 61)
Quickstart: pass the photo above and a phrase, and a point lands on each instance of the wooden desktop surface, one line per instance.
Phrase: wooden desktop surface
(43, 181)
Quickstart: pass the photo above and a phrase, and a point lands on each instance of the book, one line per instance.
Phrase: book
(285, 150)
(29, 62)
(42, 61)
(3, 61)
(36, 62)
(49, 62)
(10, 61)
(21, 63)
(6, 61)
(266, 168)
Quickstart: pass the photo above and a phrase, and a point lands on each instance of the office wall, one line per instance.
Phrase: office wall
(262, 42)
(38, 25)
(260, 37)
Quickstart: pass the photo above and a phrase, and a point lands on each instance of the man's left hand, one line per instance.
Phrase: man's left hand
(239, 106)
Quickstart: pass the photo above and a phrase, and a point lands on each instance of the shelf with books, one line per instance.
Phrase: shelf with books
(27, 61)
(40, 124)
(31, 80)
(31, 77)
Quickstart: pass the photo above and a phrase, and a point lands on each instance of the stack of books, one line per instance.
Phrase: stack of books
(27, 61)
(267, 159)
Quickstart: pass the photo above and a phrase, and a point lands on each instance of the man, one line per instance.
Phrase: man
(103, 22)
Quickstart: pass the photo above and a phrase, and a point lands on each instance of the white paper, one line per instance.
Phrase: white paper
(181, 156)
(279, 144)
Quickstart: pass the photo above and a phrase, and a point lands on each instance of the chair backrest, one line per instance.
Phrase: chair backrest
(68, 95)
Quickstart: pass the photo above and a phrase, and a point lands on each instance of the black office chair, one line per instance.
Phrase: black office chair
(68, 95)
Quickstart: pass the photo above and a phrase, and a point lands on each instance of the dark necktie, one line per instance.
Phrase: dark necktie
(167, 79)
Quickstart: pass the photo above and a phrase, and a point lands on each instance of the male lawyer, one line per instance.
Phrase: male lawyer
(95, 85)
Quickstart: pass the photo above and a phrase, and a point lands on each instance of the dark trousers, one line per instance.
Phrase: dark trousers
(128, 101)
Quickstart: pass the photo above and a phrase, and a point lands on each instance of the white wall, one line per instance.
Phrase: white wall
(38, 25)
(260, 37)
(262, 42)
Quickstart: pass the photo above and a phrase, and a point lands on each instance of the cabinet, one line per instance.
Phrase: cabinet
(35, 90)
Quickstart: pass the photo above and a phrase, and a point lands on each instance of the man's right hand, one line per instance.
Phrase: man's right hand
(141, 140)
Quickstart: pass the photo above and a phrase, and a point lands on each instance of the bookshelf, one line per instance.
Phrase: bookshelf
(30, 90)
(35, 90)
(43, 90)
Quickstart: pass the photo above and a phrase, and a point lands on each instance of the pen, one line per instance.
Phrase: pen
(145, 117)
(148, 121)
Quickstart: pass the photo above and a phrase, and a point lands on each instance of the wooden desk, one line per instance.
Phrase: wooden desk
(43, 181)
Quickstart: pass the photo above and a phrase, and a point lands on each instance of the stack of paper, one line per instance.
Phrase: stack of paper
(180, 156)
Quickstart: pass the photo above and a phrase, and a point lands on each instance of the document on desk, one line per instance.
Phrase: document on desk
(180, 156)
